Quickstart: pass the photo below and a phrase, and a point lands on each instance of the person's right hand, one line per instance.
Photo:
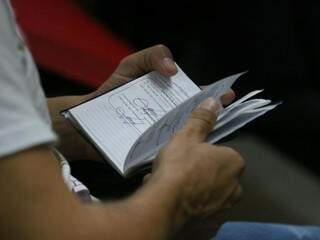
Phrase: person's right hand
(205, 176)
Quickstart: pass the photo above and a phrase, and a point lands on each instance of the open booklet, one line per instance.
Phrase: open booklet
(131, 123)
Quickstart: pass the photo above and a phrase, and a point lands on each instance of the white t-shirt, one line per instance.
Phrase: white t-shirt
(24, 119)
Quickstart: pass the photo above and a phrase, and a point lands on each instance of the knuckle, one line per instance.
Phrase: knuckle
(162, 47)
(203, 117)
(233, 154)
(177, 143)
(209, 150)
(239, 161)
(147, 59)
(236, 196)
(164, 50)
(180, 135)
(124, 61)
(229, 152)
(235, 157)
(238, 193)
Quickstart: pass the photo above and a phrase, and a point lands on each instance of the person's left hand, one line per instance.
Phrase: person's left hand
(156, 58)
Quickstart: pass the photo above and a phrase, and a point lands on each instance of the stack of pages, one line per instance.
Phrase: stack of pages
(130, 124)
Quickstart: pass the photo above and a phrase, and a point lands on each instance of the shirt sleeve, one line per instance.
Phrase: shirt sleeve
(22, 122)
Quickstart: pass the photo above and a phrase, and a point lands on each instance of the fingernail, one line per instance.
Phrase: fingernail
(168, 63)
(211, 105)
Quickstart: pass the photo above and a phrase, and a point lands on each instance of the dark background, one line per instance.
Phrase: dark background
(277, 41)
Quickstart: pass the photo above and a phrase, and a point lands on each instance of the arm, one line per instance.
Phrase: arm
(185, 183)
(40, 207)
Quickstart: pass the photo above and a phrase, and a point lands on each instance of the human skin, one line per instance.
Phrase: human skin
(190, 178)
(156, 58)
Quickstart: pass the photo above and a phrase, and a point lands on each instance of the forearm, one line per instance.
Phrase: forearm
(41, 207)
(71, 143)
(152, 213)
(158, 210)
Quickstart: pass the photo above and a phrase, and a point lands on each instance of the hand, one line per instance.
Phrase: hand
(206, 176)
(156, 58)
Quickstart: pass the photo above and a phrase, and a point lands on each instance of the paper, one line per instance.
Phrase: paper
(237, 123)
(116, 120)
(159, 134)
(230, 119)
(130, 124)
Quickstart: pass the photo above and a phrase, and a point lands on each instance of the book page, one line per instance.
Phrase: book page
(239, 101)
(245, 113)
(115, 120)
(160, 133)
(238, 122)
(238, 110)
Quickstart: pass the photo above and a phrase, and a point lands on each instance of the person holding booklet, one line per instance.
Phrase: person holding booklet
(130, 124)
(190, 178)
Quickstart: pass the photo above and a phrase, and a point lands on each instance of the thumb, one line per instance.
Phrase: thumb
(201, 120)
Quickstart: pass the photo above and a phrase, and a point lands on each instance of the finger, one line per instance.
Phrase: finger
(228, 97)
(236, 196)
(157, 58)
(201, 120)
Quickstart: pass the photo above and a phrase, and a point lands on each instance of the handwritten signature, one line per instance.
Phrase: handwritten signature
(127, 119)
(143, 105)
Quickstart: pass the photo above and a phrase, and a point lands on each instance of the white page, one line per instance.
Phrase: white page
(243, 119)
(157, 135)
(238, 110)
(115, 120)
(237, 123)
(239, 101)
